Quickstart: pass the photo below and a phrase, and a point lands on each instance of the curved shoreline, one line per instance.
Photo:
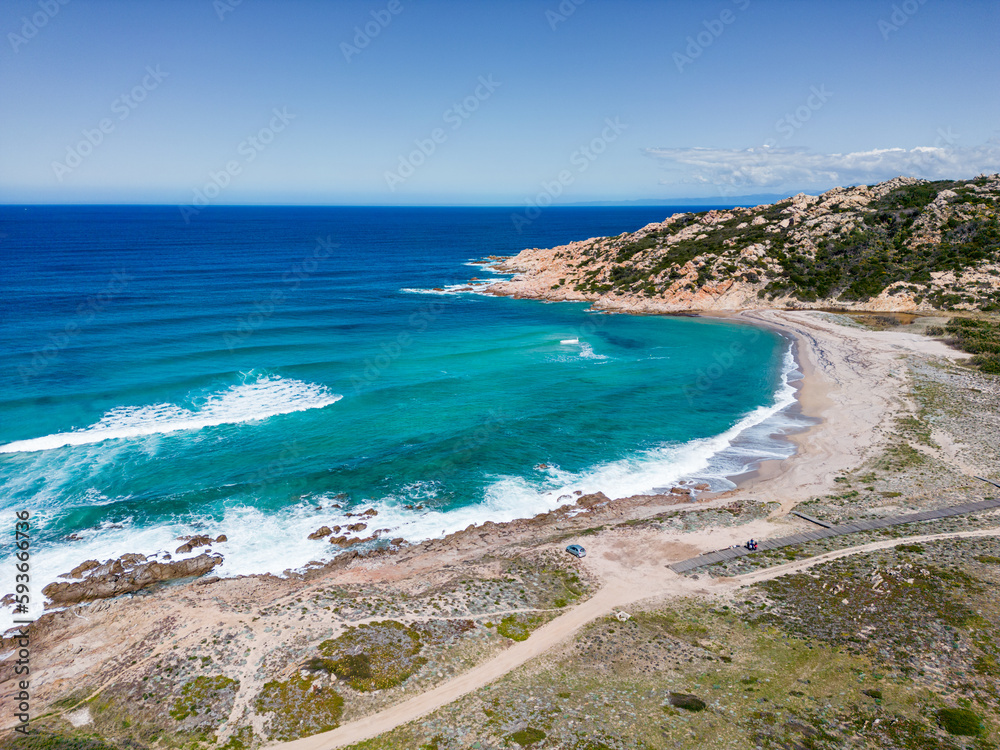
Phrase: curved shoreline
(811, 403)
(850, 383)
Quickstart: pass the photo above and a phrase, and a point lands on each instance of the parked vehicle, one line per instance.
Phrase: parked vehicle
(576, 550)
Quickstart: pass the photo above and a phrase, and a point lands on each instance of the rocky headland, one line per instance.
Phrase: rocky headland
(905, 245)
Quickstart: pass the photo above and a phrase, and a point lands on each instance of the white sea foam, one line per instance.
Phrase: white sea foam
(262, 542)
(510, 497)
(267, 396)
(587, 352)
(473, 288)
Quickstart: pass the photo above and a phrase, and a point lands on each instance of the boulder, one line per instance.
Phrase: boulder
(680, 491)
(343, 541)
(322, 531)
(113, 579)
(357, 527)
(83, 567)
(193, 542)
(589, 501)
(222, 538)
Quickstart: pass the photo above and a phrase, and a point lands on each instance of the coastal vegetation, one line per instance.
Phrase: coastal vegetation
(905, 244)
(981, 338)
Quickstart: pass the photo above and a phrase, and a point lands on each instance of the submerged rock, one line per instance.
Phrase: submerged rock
(113, 578)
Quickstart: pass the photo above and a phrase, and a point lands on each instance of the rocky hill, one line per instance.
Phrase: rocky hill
(901, 245)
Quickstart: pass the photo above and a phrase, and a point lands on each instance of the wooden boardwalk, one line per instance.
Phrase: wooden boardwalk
(710, 558)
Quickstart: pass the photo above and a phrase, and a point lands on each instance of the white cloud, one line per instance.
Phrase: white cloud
(777, 167)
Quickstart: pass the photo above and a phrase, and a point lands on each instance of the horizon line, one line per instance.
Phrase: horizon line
(642, 203)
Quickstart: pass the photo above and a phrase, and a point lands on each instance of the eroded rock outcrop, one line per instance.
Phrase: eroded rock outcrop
(122, 576)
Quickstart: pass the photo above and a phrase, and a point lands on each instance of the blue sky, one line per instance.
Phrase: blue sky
(425, 102)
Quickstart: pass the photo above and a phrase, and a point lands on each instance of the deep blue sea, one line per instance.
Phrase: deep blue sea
(246, 372)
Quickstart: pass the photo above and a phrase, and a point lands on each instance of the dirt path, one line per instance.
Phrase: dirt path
(614, 594)
(547, 636)
(795, 567)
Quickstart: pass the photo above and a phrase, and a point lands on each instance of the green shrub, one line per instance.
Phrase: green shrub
(987, 665)
(373, 656)
(201, 694)
(297, 710)
(528, 737)
(518, 627)
(960, 721)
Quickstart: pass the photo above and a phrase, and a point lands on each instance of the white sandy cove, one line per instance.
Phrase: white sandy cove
(853, 382)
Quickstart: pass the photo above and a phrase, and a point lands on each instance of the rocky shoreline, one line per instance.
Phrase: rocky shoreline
(801, 253)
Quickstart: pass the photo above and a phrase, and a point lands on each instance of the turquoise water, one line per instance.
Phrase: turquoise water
(241, 376)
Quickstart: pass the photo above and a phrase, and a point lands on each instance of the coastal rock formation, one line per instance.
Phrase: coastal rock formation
(903, 245)
(589, 501)
(82, 568)
(126, 574)
(343, 541)
(321, 532)
(193, 542)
